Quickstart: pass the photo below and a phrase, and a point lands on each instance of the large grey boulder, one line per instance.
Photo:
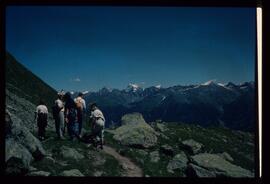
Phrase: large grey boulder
(24, 137)
(196, 171)
(70, 153)
(39, 173)
(179, 161)
(219, 165)
(17, 158)
(135, 132)
(192, 146)
(21, 146)
(72, 172)
(226, 156)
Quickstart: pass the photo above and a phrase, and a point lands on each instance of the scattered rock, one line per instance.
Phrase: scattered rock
(196, 171)
(219, 165)
(98, 173)
(47, 161)
(142, 152)
(62, 163)
(70, 153)
(161, 127)
(167, 150)
(179, 161)
(17, 158)
(24, 137)
(72, 172)
(32, 169)
(39, 173)
(135, 132)
(164, 136)
(226, 156)
(192, 146)
(127, 167)
(154, 156)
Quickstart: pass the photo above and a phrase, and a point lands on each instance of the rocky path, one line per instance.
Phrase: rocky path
(131, 169)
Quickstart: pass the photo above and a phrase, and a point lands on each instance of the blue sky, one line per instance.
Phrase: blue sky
(86, 48)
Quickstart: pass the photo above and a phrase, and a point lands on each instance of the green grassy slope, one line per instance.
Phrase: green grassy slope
(239, 145)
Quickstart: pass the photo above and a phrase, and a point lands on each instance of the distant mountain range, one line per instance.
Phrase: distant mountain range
(208, 104)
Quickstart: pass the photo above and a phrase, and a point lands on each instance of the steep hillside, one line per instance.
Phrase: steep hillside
(23, 83)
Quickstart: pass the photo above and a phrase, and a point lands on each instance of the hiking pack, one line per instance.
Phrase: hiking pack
(79, 104)
(73, 114)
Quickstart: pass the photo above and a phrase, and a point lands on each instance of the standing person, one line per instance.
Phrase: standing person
(58, 113)
(41, 115)
(98, 124)
(71, 116)
(80, 104)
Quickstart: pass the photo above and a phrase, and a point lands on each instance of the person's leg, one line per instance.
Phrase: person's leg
(43, 125)
(79, 122)
(70, 131)
(39, 132)
(57, 127)
(43, 132)
(100, 124)
(61, 124)
(76, 129)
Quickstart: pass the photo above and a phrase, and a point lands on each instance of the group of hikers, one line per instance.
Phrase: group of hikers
(70, 113)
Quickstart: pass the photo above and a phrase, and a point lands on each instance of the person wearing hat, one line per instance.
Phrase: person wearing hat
(98, 124)
(59, 117)
(80, 104)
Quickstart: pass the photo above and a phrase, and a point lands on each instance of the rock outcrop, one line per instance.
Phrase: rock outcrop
(192, 146)
(70, 153)
(179, 161)
(135, 132)
(217, 166)
(72, 172)
(21, 146)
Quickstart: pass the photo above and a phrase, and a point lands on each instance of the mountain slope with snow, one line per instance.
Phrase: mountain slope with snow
(207, 104)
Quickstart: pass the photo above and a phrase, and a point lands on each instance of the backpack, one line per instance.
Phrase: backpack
(73, 114)
(55, 111)
(79, 104)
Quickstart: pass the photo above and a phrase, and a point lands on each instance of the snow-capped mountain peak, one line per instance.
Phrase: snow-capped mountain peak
(85, 92)
(158, 86)
(133, 87)
(210, 82)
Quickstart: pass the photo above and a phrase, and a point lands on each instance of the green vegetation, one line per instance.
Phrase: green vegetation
(239, 145)
(94, 161)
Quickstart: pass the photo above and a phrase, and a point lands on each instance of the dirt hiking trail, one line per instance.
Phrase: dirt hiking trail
(131, 169)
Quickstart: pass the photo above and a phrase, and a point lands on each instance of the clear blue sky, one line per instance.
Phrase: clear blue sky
(86, 48)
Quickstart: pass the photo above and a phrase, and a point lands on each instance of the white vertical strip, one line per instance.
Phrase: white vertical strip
(259, 63)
